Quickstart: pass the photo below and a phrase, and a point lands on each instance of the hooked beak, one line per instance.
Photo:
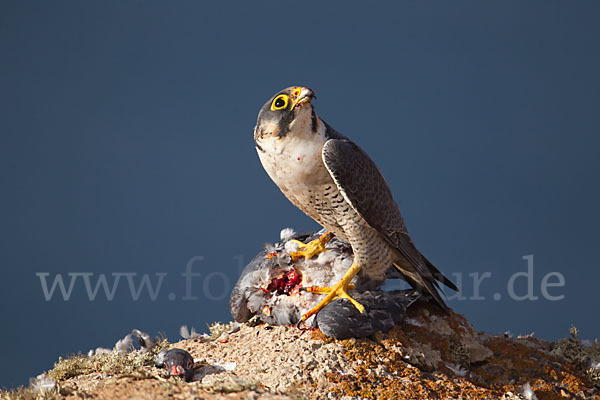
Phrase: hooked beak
(302, 95)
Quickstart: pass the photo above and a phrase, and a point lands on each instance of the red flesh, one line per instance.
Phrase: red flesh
(176, 370)
(286, 283)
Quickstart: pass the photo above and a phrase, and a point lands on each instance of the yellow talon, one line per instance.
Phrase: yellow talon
(338, 291)
(312, 248)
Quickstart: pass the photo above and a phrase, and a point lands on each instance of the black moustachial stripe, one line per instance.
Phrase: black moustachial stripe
(284, 124)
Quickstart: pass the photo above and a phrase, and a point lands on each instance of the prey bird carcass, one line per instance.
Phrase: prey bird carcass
(273, 286)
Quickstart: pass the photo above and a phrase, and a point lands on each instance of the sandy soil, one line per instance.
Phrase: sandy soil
(430, 356)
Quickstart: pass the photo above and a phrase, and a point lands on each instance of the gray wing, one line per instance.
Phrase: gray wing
(364, 187)
(341, 320)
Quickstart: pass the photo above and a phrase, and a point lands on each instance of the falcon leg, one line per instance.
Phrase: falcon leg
(338, 291)
(311, 248)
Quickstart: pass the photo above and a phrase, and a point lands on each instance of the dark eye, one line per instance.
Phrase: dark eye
(280, 102)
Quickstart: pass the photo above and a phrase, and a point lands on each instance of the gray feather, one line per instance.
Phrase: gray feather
(341, 320)
(365, 189)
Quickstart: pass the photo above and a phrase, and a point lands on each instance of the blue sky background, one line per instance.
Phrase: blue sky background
(126, 146)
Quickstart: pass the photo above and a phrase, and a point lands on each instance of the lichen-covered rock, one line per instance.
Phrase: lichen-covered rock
(431, 355)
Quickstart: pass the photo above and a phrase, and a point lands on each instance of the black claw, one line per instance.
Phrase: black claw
(300, 325)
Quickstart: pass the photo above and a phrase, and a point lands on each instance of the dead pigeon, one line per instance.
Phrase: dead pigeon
(177, 361)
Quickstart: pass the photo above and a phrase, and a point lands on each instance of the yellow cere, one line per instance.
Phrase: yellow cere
(296, 92)
(280, 102)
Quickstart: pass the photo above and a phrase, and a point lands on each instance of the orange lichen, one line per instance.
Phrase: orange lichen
(382, 367)
(316, 334)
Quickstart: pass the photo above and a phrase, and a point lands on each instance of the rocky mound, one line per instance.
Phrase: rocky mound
(431, 355)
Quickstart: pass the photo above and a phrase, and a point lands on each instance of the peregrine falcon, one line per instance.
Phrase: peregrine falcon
(334, 182)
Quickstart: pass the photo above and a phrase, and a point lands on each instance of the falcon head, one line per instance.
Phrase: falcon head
(289, 111)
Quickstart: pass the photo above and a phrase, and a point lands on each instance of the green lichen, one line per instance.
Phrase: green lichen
(217, 329)
(23, 393)
(109, 363)
(594, 375)
(574, 332)
(571, 350)
(254, 321)
(459, 353)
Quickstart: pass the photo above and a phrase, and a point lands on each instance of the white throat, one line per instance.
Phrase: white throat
(294, 156)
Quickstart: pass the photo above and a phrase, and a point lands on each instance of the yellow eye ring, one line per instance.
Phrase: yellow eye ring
(280, 102)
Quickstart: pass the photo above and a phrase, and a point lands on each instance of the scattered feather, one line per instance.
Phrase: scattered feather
(286, 234)
(291, 247)
(143, 339)
(228, 366)
(414, 322)
(457, 369)
(528, 336)
(326, 257)
(124, 345)
(99, 350)
(186, 334)
(235, 327)
(224, 337)
(270, 247)
(528, 392)
(42, 383)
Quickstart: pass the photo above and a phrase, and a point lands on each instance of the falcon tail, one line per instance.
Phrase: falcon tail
(428, 282)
